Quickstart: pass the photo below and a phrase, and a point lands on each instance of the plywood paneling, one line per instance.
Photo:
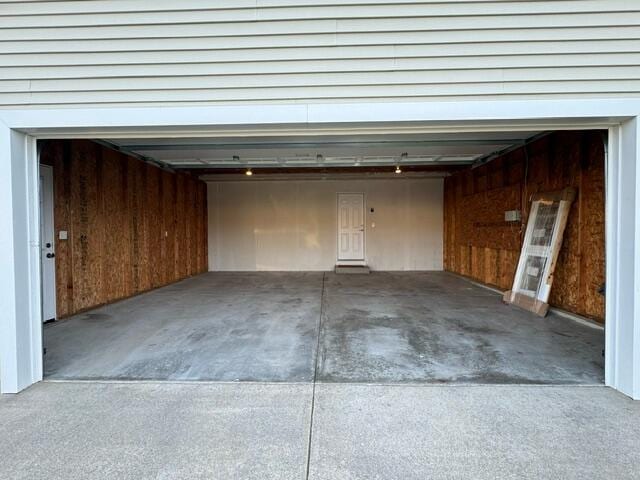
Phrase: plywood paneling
(115, 244)
(121, 216)
(85, 229)
(169, 212)
(153, 219)
(181, 228)
(481, 245)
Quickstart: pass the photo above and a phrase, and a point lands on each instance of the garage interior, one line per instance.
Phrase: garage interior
(213, 259)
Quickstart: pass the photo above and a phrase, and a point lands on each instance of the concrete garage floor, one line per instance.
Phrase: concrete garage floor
(217, 326)
(429, 327)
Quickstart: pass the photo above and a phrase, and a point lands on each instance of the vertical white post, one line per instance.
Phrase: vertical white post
(20, 319)
(623, 260)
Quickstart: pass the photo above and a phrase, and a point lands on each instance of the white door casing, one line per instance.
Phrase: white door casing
(47, 244)
(350, 227)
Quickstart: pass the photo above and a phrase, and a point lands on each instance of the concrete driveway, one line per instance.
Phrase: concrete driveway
(68, 430)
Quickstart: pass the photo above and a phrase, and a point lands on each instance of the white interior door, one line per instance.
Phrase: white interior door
(350, 227)
(542, 242)
(47, 245)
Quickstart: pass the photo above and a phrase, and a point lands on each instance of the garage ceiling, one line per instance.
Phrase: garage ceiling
(322, 151)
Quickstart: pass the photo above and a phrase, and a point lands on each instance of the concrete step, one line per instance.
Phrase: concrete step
(352, 269)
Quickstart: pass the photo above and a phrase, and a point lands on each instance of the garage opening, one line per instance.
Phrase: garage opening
(339, 259)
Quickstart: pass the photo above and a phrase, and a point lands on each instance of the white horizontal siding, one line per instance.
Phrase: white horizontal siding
(506, 68)
(117, 52)
(315, 26)
(126, 10)
(555, 52)
(629, 35)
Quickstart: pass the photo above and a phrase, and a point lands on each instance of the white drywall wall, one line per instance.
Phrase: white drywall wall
(291, 224)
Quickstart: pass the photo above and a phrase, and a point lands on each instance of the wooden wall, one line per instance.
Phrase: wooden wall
(481, 245)
(131, 226)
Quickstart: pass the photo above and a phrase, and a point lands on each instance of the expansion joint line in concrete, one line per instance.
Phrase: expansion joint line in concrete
(315, 375)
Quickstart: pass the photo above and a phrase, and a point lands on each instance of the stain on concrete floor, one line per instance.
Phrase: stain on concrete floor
(408, 327)
(438, 328)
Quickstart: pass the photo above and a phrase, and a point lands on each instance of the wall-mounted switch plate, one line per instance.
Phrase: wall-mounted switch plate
(63, 235)
(512, 216)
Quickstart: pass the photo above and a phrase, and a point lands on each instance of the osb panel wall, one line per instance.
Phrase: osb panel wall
(131, 226)
(481, 245)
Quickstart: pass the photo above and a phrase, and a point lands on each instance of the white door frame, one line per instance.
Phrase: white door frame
(363, 260)
(47, 220)
(20, 326)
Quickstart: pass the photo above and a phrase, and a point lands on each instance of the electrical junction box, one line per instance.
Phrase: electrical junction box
(512, 216)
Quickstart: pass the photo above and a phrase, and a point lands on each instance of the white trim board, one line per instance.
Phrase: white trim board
(435, 116)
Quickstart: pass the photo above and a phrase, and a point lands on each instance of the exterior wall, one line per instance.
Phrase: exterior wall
(131, 226)
(481, 245)
(292, 224)
(112, 52)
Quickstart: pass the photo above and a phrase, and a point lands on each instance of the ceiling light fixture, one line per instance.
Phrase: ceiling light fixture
(398, 169)
(248, 172)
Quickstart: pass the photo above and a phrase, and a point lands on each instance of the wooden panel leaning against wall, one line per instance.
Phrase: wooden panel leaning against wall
(129, 230)
(481, 245)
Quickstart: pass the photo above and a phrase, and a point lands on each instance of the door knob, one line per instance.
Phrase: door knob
(51, 255)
